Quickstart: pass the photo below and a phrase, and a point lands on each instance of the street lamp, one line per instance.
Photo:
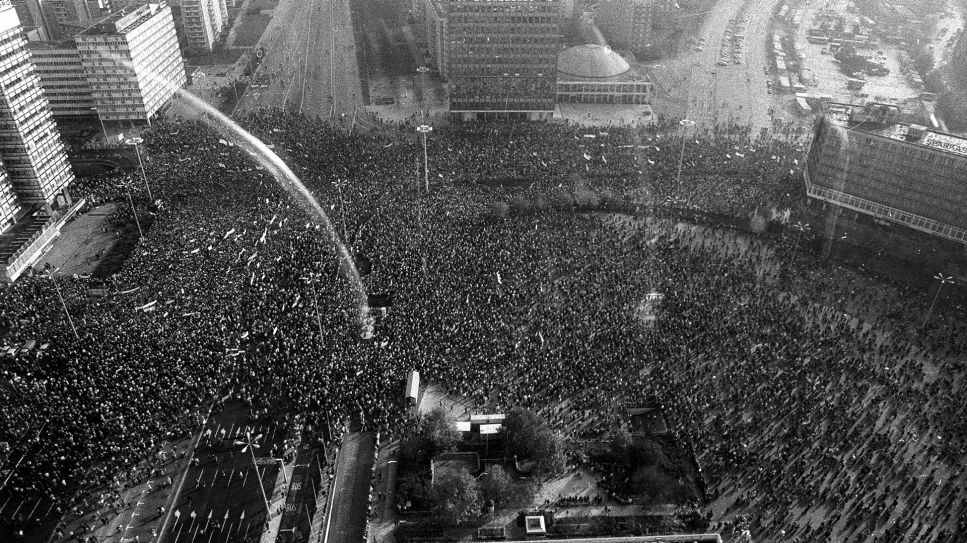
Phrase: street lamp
(801, 228)
(99, 118)
(250, 445)
(425, 129)
(136, 142)
(943, 281)
(134, 211)
(684, 123)
(50, 274)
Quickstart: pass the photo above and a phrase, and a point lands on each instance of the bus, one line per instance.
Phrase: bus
(413, 387)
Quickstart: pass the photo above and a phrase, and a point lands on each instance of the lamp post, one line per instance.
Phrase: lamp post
(50, 274)
(684, 123)
(136, 142)
(801, 227)
(101, 120)
(943, 281)
(250, 445)
(134, 211)
(425, 129)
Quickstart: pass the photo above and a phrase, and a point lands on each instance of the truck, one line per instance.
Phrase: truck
(412, 388)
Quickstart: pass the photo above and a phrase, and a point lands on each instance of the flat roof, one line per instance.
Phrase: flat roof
(941, 141)
(123, 20)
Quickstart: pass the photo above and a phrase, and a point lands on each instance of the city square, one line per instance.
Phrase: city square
(597, 298)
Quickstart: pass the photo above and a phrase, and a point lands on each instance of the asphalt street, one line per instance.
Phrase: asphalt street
(348, 507)
(694, 86)
(310, 61)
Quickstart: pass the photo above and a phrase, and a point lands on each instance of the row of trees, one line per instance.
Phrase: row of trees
(464, 499)
(949, 82)
(460, 497)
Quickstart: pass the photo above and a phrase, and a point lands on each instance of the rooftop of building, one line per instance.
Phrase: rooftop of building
(122, 20)
(62, 44)
(880, 119)
(591, 61)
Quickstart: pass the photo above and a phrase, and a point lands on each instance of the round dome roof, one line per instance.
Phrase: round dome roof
(591, 60)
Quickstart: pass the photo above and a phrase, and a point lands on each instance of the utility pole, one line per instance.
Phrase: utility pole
(63, 304)
(943, 281)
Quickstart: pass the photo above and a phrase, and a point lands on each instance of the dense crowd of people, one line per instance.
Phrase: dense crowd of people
(501, 284)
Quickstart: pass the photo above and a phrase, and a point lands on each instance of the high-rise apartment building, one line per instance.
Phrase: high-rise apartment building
(132, 62)
(63, 77)
(499, 56)
(204, 21)
(629, 24)
(863, 160)
(30, 145)
(35, 173)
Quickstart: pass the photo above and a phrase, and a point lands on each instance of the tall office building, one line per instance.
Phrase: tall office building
(132, 62)
(204, 21)
(863, 160)
(30, 145)
(35, 172)
(499, 56)
(628, 24)
(63, 77)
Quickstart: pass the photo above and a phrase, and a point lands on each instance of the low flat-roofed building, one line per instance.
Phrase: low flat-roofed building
(862, 159)
(595, 74)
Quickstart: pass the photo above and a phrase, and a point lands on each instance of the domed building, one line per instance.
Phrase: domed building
(591, 61)
(596, 74)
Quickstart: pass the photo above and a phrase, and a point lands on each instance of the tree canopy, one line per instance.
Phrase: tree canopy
(529, 436)
(458, 496)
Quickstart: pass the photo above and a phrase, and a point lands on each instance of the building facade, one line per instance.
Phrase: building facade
(861, 160)
(501, 57)
(132, 62)
(203, 23)
(63, 77)
(35, 174)
(628, 24)
(434, 28)
(30, 146)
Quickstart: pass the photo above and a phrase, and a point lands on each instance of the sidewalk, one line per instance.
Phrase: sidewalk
(320, 521)
(384, 519)
(277, 501)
